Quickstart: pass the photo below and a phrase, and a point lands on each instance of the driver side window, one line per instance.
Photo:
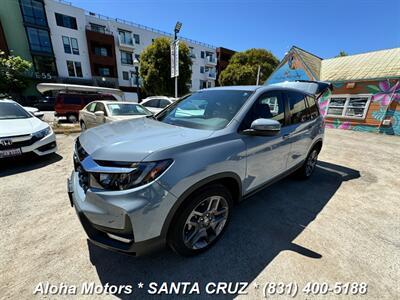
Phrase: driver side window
(91, 107)
(100, 107)
(269, 105)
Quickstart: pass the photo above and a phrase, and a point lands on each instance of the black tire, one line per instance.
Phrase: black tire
(72, 118)
(179, 226)
(83, 126)
(307, 169)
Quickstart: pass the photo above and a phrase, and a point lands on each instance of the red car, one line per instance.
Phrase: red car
(68, 104)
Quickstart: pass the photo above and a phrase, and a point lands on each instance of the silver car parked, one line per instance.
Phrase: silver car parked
(174, 179)
(100, 112)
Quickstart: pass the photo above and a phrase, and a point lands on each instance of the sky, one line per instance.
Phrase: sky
(322, 27)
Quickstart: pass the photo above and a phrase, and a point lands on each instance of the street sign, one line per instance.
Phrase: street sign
(175, 59)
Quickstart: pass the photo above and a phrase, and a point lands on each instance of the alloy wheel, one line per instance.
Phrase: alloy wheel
(205, 222)
(311, 162)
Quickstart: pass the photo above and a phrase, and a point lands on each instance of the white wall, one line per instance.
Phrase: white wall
(56, 33)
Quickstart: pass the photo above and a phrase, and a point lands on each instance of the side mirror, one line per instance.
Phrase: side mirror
(264, 127)
(99, 113)
(38, 114)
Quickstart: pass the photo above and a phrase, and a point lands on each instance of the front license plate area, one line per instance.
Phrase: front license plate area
(10, 152)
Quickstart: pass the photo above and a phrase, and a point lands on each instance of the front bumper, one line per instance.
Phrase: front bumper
(127, 221)
(44, 146)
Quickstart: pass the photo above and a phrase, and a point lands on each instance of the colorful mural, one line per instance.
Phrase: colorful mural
(387, 95)
(291, 70)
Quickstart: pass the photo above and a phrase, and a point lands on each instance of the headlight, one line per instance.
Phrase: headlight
(143, 173)
(42, 133)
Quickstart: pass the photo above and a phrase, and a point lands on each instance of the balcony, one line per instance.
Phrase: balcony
(110, 82)
(210, 61)
(211, 75)
(126, 43)
(98, 29)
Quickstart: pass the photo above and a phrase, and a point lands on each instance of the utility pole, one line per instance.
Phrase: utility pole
(258, 74)
(178, 27)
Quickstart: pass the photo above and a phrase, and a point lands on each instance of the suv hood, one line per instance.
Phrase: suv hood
(133, 140)
(15, 127)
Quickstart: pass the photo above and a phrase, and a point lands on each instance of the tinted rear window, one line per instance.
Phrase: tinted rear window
(72, 100)
(152, 103)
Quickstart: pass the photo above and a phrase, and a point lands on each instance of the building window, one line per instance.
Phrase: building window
(39, 40)
(33, 12)
(203, 84)
(126, 58)
(209, 84)
(210, 56)
(66, 21)
(137, 56)
(104, 71)
(67, 44)
(192, 52)
(74, 68)
(74, 44)
(348, 106)
(202, 54)
(97, 28)
(125, 37)
(100, 51)
(45, 66)
(70, 43)
(201, 69)
(125, 75)
(136, 37)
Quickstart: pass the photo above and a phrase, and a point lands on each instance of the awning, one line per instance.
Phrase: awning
(44, 87)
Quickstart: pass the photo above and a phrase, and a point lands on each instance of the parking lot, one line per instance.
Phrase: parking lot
(343, 225)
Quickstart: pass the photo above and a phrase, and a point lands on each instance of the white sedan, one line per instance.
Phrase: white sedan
(100, 112)
(157, 103)
(21, 132)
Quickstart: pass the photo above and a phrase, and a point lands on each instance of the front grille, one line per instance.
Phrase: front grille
(79, 155)
(18, 144)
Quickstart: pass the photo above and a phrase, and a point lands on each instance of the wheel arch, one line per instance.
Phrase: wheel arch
(317, 144)
(230, 180)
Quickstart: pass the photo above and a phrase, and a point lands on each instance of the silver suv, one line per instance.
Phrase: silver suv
(174, 179)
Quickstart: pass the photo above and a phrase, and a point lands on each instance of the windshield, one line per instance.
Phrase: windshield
(127, 109)
(206, 109)
(12, 111)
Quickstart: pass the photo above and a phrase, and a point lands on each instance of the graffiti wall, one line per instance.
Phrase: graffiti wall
(291, 69)
(384, 105)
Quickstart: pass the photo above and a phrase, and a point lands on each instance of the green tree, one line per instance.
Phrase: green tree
(243, 67)
(155, 68)
(13, 74)
(341, 53)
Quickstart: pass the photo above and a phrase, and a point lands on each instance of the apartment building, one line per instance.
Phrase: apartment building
(70, 45)
(130, 40)
(67, 27)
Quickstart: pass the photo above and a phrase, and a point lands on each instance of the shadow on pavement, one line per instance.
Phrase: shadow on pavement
(26, 162)
(261, 227)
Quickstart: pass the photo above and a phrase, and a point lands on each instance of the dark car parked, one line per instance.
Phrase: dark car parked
(69, 104)
(46, 103)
